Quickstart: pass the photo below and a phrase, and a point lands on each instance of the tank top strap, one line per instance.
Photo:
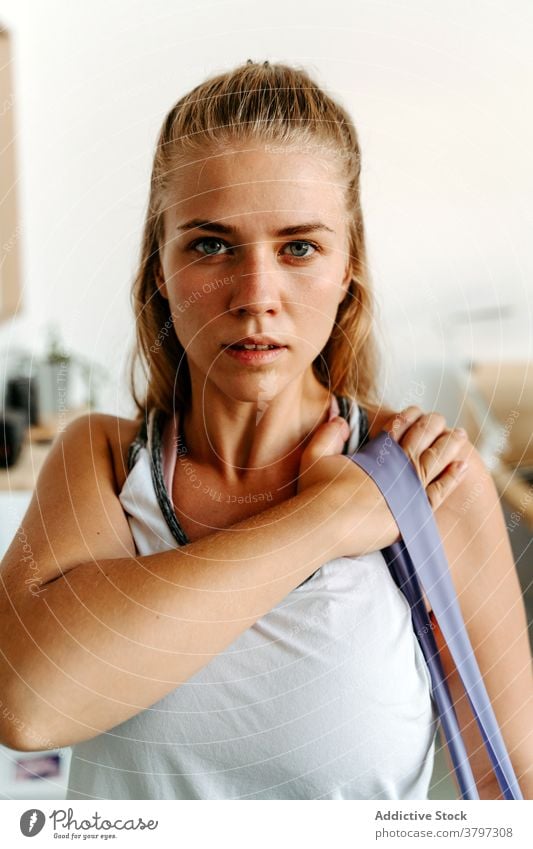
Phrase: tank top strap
(345, 406)
(364, 430)
(148, 436)
(138, 443)
(156, 430)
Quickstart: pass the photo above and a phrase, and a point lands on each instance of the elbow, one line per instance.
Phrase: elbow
(22, 738)
(19, 728)
(16, 735)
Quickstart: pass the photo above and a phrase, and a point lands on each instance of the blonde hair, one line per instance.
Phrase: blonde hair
(279, 105)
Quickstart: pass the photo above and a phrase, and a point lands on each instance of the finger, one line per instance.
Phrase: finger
(400, 422)
(328, 439)
(439, 489)
(441, 453)
(423, 433)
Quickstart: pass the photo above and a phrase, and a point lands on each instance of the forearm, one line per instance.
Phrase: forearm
(109, 638)
(491, 789)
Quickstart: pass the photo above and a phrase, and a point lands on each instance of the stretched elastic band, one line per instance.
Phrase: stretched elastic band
(388, 465)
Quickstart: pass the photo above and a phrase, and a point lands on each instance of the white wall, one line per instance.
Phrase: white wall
(440, 94)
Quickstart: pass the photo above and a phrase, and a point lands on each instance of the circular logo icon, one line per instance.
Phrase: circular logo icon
(31, 822)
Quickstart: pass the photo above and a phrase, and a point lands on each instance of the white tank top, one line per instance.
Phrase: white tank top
(327, 696)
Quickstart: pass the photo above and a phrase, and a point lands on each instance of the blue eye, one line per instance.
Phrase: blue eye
(309, 244)
(206, 239)
(211, 239)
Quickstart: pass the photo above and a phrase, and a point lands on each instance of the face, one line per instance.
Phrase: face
(240, 275)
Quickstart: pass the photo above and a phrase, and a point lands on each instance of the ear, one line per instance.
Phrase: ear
(160, 279)
(347, 279)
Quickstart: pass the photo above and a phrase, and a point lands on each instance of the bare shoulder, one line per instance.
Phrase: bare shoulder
(120, 434)
(113, 432)
(75, 514)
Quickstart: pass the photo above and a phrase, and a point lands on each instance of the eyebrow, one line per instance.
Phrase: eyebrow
(217, 227)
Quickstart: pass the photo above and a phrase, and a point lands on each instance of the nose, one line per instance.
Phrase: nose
(256, 285)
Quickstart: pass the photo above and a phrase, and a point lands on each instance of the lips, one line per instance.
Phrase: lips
(255, 356)
(258, 347)
(255, 340)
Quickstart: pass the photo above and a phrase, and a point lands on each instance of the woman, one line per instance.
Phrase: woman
(213, 617)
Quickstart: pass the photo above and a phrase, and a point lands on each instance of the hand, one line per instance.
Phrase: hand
(432, 449)
(365, 521)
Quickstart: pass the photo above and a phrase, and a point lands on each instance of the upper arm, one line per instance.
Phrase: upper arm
(477, 546)
(74, 515)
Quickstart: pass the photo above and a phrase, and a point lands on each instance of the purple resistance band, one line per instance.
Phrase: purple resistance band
(419, 559)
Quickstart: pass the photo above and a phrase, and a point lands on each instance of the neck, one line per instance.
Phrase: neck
(245, 440)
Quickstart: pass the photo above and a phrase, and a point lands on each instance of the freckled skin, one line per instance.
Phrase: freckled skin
(282, 286)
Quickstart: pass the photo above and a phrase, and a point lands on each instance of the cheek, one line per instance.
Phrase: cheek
(318, 310)
(195, 303)
(195, 316)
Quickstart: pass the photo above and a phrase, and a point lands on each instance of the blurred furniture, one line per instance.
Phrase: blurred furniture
(34, 775)
(498, 407)
(13, 426)
(38, 439)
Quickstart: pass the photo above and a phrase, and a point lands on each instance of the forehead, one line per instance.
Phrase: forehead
(258, 178)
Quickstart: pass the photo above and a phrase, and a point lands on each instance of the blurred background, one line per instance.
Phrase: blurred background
(440, 95)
